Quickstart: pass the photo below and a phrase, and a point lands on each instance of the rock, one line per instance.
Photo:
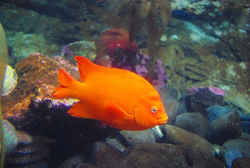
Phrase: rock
(167, 156)
(137, 137)
(72, 162)
(193, 122)
(10, 138)
(105, 155)
(116, 144)
(126, 139)
(177, 135)
(155, 155)
(245, 122)
(173, 108)
(86, 165)
(24, 138)
(226, 127)
(9, 81)
(198, 7)
(35, 153)
(245, 126)
(158, 155)
(245, 136)
(230, 156)
(241, 163)
(242, 146)
(37, 78)
(216, 111)
(244, 117)
(201, 99)
(171, 103)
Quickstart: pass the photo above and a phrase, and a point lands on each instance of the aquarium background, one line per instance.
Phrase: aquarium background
(195, 52)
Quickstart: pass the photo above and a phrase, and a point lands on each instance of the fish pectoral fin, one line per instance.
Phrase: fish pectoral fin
(116, 112)
(80, 110)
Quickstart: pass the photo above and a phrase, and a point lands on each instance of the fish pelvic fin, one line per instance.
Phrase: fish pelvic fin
(81, 110)
(66, 85)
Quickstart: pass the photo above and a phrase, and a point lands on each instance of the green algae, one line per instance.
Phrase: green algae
(36, 43)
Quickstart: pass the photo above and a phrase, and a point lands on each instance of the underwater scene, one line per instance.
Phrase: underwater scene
(125, 84)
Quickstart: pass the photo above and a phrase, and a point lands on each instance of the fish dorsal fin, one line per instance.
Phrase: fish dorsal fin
(85, 66)
(81, 110)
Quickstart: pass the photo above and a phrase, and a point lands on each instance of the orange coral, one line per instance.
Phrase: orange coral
(110, 41)
(115, 37)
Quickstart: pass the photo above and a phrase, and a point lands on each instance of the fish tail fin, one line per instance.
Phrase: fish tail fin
(66, 85)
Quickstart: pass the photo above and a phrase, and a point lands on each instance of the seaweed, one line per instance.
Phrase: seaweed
(137, 16)
(156, 26)
(3, 63)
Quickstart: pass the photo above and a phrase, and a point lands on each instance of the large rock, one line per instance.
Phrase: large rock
(225, 127)
(138, 137)
(104, 154)
(237, 152)
(150, 155)
(242, 146)
(10, 138)
(37, 79)
(193, 122)
(202, 98)
(177, 135)
(171, 103)
(241, 163)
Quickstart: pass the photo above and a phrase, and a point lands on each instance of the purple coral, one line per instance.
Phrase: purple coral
(139, 63)
(66, 51)
(161, 76)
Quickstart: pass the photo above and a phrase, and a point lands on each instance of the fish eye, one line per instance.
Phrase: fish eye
(154, 109)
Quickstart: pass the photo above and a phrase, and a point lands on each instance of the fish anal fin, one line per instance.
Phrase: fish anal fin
(80, 110)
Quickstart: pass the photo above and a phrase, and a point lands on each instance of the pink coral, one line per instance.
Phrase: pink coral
(213, 89)
(217, 91)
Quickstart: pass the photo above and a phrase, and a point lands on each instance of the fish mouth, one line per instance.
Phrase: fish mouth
(162, 120)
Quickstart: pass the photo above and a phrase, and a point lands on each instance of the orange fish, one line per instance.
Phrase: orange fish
(117, 97)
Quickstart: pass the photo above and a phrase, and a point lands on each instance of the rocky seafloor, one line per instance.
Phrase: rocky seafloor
(203, 130)
(205, 53)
